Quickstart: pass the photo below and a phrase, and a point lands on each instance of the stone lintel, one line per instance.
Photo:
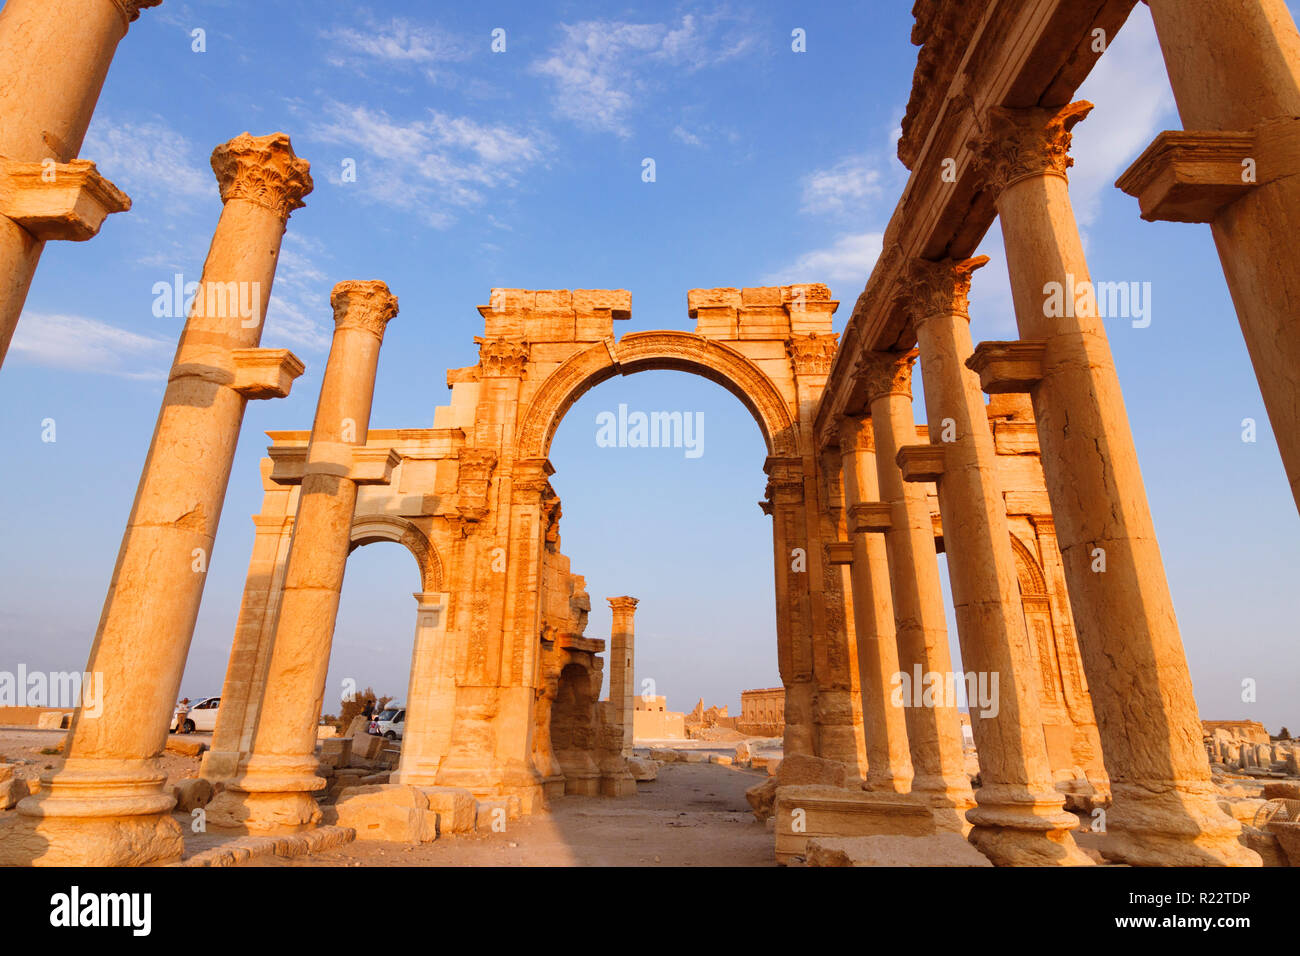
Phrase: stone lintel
(1008, 366)
(363, 464)
(839, 552)
(373, 466)
(1191, 176)
(58, 200)
(265, 373)
(871, 517)
(1027, 503)
(921, 462)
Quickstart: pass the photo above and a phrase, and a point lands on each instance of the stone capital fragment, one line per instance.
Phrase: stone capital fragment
(1020, 143)
(942, 288)
(130, 9)
(262, 170)
(366, 305)
(58, 200)
(886, 373)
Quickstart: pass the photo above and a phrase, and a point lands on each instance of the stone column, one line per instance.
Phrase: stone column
(431, 697)
(54, 58)
(108, 805)
(1234, 66)
(1165, 809)
(933, 729)
(621, 665)
(1020, 818)
(274, 788)
(889, 765)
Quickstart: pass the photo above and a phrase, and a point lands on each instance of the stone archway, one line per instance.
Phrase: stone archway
(644, 351)
(368, 529)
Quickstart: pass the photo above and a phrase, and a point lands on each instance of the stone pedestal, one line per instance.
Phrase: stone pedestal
(54, 58)
(1165, 811)
(933, 731)
(1020, 818)
(273, 790)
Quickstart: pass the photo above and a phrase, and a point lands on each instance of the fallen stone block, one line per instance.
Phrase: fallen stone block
(642, 770)
(806, 812)
(326, 732)
(366, 747)
(186, 746)
(491, 815)
(360, 727)
(53, 720)
(695, 756)
(1243, 811)
(11, 791)
(192, 793)
(1282, 791)
(387, 812)
(457, 808)
(665, 756)
(336, 752)
(6, 771)
(801, 770)
(1266, 845)
(1288, 838)
(936, 849)
(375, 778)
(761, 799)
(720, 759)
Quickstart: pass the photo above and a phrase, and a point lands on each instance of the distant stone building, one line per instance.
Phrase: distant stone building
(762, 712)
(652, 720)
(1251, 730)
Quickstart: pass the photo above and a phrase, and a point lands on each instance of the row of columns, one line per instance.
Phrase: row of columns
(108, 804)
(1164, 806)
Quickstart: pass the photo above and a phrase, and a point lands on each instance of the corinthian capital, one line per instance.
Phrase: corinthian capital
(364, 305)
(930, 288)
(886, 373)
(1020, 143)
(263, 170)
(131, 8)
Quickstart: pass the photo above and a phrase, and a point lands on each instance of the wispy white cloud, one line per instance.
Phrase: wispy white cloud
(88, 345)
(850, 258)
(299, 312)
(847, 186)
(149, 159)
(603, 70)
(400, 44)
(434, 164)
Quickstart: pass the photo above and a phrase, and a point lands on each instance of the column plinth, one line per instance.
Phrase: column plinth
(1163, 811)
(1020, 818)
(933, 732)
(144, 632)
(272, 790)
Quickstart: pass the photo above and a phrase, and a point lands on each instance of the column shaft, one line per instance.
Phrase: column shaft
(274, 788)
(1020, 818)
(1165, 807)
(889, 765)
(933, 727)
(621, 666)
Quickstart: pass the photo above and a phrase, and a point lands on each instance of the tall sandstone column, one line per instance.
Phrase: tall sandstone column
(1020, 818)
(274, 789)
(889, 765)
(108, 804)
(933, 727)
(1165, 809)
(1235, 67)
(54, 57)
(621, 663)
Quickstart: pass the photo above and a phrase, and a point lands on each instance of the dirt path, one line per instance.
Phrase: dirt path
(693, 815)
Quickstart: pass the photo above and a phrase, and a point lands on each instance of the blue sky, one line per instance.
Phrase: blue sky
(523, 169)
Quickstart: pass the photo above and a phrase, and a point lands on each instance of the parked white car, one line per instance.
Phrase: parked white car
(202, 716)
(390, 722)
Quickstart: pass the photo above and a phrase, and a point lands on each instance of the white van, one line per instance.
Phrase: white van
(202, 716)
(390, 722)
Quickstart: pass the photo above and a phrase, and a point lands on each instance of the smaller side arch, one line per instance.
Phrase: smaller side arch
(367, 529)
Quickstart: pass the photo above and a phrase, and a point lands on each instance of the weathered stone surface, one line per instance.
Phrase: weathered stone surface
(804, 769)
(939, 849)
(456, 808)
(762, 798)
(192, 793)
(642, 770)
(387, 812)
(186, 746)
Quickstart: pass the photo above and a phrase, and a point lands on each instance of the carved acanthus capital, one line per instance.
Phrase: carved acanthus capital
(856, 434)
(625, 604)
(363, 304)
(501, 357)
(886, 373)
(784, 481)
(262, 170)
(930, 288)
(130, 9)
(813, 353)
(473, 479)
(1020, 143)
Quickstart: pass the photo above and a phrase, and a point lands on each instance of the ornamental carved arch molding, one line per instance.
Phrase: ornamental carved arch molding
(367, 529)
(646, 351)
